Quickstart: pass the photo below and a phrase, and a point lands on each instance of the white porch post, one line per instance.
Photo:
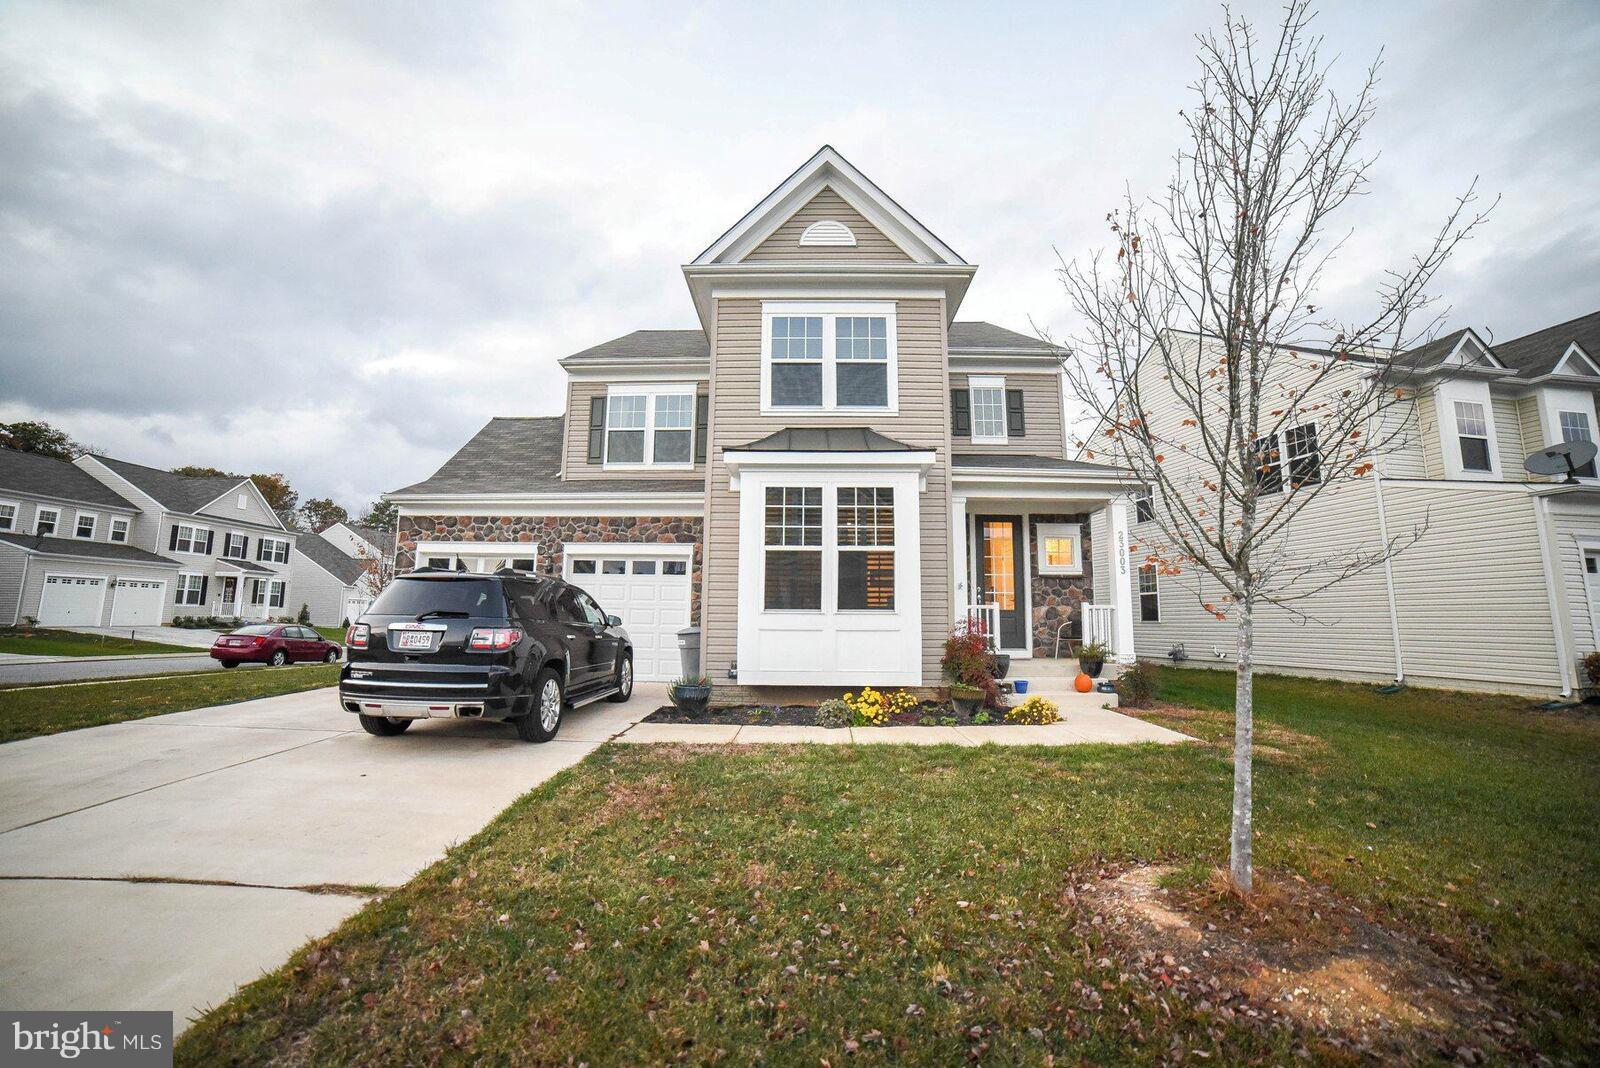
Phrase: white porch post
(1121, 580)
(960, 589)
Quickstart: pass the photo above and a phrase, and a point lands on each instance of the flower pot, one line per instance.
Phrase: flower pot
(1092, 668)
(1021, 685)
(691, 698)
(966, 701)
(1002, 664)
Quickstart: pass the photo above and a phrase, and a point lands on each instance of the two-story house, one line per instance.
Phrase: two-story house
(823, 477)
(337, 572)
(1501, 591)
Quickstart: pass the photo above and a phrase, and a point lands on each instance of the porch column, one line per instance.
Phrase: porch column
(960, 587)
(1121, 580)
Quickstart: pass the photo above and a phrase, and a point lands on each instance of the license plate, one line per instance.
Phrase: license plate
(413, 639)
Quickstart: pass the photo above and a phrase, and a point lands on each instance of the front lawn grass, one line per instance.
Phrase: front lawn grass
(42, 641)
(333, 634)
(884, 903)
(27, 711)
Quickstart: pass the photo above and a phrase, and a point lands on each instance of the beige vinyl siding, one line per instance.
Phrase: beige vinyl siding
(1508, 438)
(1574, 517)
(736, 419)
(1041, 410)
(784, 243)
(576, 465)
(1533, 436)
(1428, 429)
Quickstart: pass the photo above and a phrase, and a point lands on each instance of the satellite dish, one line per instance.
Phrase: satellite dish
(1562, 459)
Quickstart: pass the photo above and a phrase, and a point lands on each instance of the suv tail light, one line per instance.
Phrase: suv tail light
(357, 636)
(493, 639)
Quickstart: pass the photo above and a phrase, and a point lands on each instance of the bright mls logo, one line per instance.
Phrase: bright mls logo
(120, 1038)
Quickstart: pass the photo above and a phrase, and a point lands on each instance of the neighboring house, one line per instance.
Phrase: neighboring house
(67, 551)
(231, 551)
(1502, 592)
(337, 584)
(365, 543)
(823, 477)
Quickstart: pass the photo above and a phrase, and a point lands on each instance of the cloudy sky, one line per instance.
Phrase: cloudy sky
(334, 239)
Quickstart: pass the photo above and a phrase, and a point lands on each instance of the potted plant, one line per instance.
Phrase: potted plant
(1092, 658)
(690, 693)
(999, 664)
(966, 699)
(969, 665)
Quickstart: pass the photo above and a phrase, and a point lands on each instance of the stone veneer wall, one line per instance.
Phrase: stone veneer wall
(549, 533)
(1057, 598)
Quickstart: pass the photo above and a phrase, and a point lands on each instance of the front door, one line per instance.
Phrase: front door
(1000, 576)
(227, 593)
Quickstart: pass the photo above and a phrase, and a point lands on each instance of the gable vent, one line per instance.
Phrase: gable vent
(828, 232)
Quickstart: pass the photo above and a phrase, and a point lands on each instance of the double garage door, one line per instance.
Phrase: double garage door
(650, 593)
(79, 600)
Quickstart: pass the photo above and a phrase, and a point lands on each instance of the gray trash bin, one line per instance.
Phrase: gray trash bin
(689, 651)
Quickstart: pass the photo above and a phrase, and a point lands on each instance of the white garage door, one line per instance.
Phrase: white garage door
(650, 593)
(71, 601)
(138, 603)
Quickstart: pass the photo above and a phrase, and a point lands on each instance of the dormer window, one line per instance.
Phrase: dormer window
(650, 426)
(828, 232)
(1575, 427)
(836, 357)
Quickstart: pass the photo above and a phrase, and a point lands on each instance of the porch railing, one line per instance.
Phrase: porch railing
(1100, 625)
(987, 616)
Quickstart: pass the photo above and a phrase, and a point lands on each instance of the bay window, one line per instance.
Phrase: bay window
(866, 549)
(793, 548)
(1575, 427)
(828, 357)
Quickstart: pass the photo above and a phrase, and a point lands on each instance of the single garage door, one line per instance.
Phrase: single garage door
(138, 602)
(71, 601)
(650, 593)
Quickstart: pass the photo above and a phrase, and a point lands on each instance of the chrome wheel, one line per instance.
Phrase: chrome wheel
(625, 678)
(550, 705)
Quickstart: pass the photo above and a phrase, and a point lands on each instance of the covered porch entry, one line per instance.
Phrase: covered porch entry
(1040, 554)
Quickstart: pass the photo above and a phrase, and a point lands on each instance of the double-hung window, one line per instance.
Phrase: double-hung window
(650, 426)
(1304, 456)
(1575, 427)
(274, 550)
(1149, 594)
(234, 546)
(828, 357)
(8, 515)
(1144, 506)
(866, 548)
(988, 394)
(1269, 472)
(119, 531)
(1472, 430)
(793, 542)
(190, 539)
(191, 589)
(275, 596)
(46, 520)
(85, 527)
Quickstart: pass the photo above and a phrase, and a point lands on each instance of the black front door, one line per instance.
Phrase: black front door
(1000, 575)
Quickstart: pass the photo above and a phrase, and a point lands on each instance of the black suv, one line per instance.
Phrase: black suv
(443, 644)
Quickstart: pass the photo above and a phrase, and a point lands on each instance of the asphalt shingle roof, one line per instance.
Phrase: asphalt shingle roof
(325, 555)
(1538, 353)
(179, 493)
(383, 539)
(523, 455)
(45, 476)
(691, 344)
(87, 550)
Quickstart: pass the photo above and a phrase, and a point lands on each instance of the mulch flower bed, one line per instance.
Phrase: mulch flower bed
(925, 714)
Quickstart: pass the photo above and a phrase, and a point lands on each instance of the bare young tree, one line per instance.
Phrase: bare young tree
(1196, 367)
(379, 567)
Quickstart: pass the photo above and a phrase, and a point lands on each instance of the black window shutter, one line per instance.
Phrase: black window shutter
(961, 413)
(244, 548)
(203, 582)
(597, 430)
(1015, 425)
(209, 535)
(172, 542)
(261, 548)
(702, 423)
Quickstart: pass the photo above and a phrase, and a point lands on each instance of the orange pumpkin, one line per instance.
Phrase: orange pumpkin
(1083, 683)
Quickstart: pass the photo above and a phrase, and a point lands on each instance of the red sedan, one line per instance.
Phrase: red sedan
(276, 644)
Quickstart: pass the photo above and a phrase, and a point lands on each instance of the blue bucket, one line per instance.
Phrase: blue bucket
(1021, 685)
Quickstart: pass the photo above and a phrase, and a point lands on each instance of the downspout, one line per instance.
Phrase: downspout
(1558, 614)
(1388, 579)
(16, 616)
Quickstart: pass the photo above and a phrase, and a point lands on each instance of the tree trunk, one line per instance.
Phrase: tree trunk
(1240, 865)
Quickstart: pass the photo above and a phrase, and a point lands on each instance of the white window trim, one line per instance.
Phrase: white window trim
(194, 529)
(235, 534)
(94, 525)
(814, 640)
(182, 590)
(1139, 594)
(975, 383)
(282, 588)
(111, 530)
(650, 391)
(55, 527)
(1045, 531)
(268, 539)
(1444, 409)
(455, 550)
(15, 515)
(1552, 402)
(829, 312)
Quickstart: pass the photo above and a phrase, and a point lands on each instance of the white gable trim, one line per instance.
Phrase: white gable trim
(1458, 358)
(1575, 353)
(828, 169)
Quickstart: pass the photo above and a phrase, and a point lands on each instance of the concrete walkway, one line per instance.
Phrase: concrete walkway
(164, 635)
(160, 863)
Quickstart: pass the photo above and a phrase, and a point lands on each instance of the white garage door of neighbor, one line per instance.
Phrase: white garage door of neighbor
(71, 601)
(138, 603)
(650, 593)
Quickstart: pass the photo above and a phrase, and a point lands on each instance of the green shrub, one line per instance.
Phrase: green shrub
(1591, 668)
(304, 618)
(1138, 685)
(834, 713)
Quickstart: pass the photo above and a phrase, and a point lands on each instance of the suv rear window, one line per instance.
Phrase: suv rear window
(414, 596)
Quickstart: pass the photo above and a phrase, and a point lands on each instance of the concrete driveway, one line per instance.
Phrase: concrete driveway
(159, 864)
